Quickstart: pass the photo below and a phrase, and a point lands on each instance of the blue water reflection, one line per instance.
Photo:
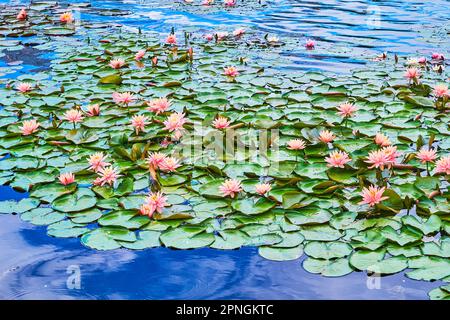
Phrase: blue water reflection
(35, 266)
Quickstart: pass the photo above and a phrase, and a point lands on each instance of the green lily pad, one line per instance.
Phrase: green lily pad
(253, 205)
(441, 293)
(81, 200)
(401, 237)
(363, 259)
(42, 216)
(66, 229)
(328, 268)
(428, 268)
(145, 239)
(280, 254)
(50, 192)
(229, 240)
(432, 225)
(111, 79)
(320, 233)
(124, 218)
(11, 206)
(324, 250)
(308, 216)
(107, 238)
(187, 238)
(59, 31)
(441, 249)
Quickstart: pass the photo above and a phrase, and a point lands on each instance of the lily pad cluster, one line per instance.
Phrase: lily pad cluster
(237, 7)
(312, 209)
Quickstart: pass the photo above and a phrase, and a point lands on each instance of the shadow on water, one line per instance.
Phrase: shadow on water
(25, 61)
(29, 56)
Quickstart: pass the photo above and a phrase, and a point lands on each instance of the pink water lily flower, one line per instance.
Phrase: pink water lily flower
(171, 39)
(93, 110)
(412, 74)
(146, 210)
(155, 159)
(337, 159)
(67, 178)
(207, 2)
(190, 53)
(117, 63)
(177, 135)
(155, 201)
(230, 187)
(166, 142)
(373, 195)
(66, 17)
(296, 144)
(159, 105)
(422, 60)
(229, 3)
(326, 136)
(169, 164)
(238, 32)
(97, 161)
(29, 127)
(443, 165)
(377, 159)
(175, 121)
(391, 154)
(125, 97)
(139, 122)
(382, 140)
(437, 56)
(97, 182)
(73, 115)
(441, 91)
(108, 175)
(139, 55)
(426, 155)
(221, 35)
(22, 15)
(346, 110)
(231, 71)
(221, 123)
(310, 44)
(209, 36)
(263, 188)
(24, 87)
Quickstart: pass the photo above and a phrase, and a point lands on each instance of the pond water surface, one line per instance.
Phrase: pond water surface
(35, 266)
